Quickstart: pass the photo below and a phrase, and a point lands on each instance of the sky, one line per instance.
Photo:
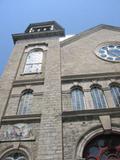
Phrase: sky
(74, 16)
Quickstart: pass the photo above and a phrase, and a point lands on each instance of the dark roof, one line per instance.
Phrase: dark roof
(57, 31)
(57, 26)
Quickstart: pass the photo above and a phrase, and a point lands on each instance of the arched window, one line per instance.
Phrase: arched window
(103, 147)
(115, 91)
(15, 155)
(34, 61)
(25, 102)
(77, 96)
(98, 97)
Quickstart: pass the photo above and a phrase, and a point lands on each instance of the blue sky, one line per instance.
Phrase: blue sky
(74, 15)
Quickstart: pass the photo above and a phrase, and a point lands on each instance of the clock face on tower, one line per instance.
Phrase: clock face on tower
(109, 52)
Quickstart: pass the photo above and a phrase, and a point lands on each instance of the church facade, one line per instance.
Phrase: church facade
(60, 100)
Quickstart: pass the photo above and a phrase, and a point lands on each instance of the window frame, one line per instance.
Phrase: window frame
(115, 87)
(78, 101)
(35, 50)
(24, 108)
(98, 97)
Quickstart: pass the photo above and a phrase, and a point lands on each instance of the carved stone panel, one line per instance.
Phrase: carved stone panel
(15, 132)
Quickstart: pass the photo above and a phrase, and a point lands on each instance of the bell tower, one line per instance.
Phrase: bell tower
(60, 99)
(30, 96)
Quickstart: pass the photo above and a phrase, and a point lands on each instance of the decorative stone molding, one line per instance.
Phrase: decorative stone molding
(106, 122)
(82, 142)
(21, 119)
(96, 76)
(87, 137)
(28, 82)
(16, 145)
(22, 149)
(81, 115)
(16, 132)
(75, 84)
(28, 87)
(43, 46)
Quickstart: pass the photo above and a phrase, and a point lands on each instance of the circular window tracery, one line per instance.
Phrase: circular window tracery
(15, 155)
(110, 52)
(103, 147)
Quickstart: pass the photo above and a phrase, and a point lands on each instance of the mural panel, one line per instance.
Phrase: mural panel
(20, 131)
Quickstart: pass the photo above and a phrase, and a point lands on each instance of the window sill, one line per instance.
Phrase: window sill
(33, 73)
(28, 81)
(83, 115)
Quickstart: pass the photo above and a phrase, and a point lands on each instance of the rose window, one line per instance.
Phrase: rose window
(103, 147)
(109, 52)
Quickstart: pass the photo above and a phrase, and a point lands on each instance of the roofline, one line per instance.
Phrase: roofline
(24, 36)
(59, 31)
(42, 24)
(88, 32)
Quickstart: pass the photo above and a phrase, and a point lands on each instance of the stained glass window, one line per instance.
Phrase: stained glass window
(15, 156)
(77, 99)
(34, 61)
(98, 97)
(115, 91)
(103, 147)
(25, 102)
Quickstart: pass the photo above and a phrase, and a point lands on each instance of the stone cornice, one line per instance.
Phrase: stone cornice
(28, 82)
(86, 115)
(24, 36)
(21, 119)
(94, 76)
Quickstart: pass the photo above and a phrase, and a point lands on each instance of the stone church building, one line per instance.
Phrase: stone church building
(60, 99)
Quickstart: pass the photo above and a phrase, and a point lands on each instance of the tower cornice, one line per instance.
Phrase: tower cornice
(40, 30)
